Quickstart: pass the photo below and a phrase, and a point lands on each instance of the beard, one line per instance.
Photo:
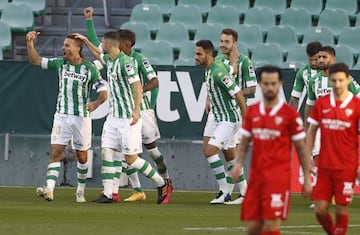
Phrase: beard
(270, 96)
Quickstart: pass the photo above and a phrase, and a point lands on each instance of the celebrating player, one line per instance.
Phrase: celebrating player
(222, 93)
(71, 120)
(337, 114)
(271, 125)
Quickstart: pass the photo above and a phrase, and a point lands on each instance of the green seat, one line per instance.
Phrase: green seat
(313, 6)
(251, 35)
(189, 15)
(173, 33)
(344, 54)
(284, 35)
(299, 18)
(225, 15)
(278, 6)
(242, 48)
(1, 54)
(336, 20)
(267, 53)
(241, 6)
(166, 6)
(141, 31)
(149, 14)
(356, 66)
(187, 51)
(204, 5)
(5, 36)
(321, 34)
(350, 37)
(160, 52)
(349, 6)
(184, 62)
(38, 7)
(209, 31)
(262, 16)
(19, 17)
(3, 3)
(297, 52)
(292, 65)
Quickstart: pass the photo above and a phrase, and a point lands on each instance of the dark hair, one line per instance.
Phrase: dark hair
(127, 35)
(207, 45)
(313, 48)
(339, 67)
(232, 32)
(78, 42)
(112, 35)
(270, 69)
(329, 49)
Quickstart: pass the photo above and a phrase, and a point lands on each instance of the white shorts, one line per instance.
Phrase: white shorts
(150, 130)
(316, 149)
(67, 128)
(118, 134)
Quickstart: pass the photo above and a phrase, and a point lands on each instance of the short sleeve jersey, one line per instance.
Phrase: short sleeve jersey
(338, 123)
(221, 91)
(271, 131)
(75, 83)
(246, 76)
(146, 73)
(121, 73)
(302, 78)
(320, 85)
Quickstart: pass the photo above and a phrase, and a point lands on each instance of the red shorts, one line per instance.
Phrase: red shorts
(338, 183)
(266, 198)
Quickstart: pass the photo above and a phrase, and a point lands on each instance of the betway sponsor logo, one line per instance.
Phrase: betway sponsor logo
(73, 75)
(334, 124)
(323, 91)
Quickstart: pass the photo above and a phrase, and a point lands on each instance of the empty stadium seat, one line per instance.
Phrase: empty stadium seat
(184, 62)
(166, 6)
(209, 31)
(242, 48)
(262, 16)
(189, 15)
(5, 36)
(283, 35)
(19, 17)
(38, 7)
(160, 52)
(141, 31)
(292, 65)
(313, 6)
(278, 6)
(267, 53)
(349, 37)
(251, 35)
(297, 52)
(356, 66)
(242, 6)
(336, 20)
(204, 5)
(299, 18)
(187, 51)
(173, 33)
(3, 3)
(149, 14)
(225, 15)
(349, 6)
(344, 54)
(321, 34)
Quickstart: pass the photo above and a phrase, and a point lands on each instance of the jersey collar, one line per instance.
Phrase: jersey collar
(344, 103)
(274, 110)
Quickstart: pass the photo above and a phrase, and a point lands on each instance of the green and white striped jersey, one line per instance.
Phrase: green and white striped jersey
(121, 73)
(320, 85)
(75, 83)
(146, 73)
(302, 78)
(221, 91)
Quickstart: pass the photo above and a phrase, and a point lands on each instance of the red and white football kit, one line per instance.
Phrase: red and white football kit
(271, 130)
(338, 158)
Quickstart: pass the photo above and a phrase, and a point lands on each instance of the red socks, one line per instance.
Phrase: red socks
(327, 223)
(341, 225)
(271, 233)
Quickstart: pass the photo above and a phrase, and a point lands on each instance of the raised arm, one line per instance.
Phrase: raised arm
(33, 54)
(94, 50)
(90, 28)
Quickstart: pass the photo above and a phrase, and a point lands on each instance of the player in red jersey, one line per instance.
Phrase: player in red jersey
(337, 115)
(271, 125)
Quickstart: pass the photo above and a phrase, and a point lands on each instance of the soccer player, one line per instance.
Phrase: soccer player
(243, 72)
(304, 74)
(71, 120)
(337, 114)
(225, 99)
(150, 129)
(271, 125)
(122, 128)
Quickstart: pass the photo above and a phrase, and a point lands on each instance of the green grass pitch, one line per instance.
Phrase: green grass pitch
(22, 212)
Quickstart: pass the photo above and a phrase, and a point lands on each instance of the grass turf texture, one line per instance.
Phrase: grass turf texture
(22, 212)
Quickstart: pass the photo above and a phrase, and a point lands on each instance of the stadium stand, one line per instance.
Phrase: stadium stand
(335, 19)
(292, 65)
(38, 7)
(242, 48)
(266, 53)
(210, 31)
(188, 15)
(299, 18)
(1, 55)
(225, 15)
(278, 6)
(158, 52)
(344, 54)
(184, 62)
(149, 14)
(19, 17)
(5, 36)
(296, 52)
(321, 34)
(142, 33)
(262, 16)
(250, 35)
(283, 35)
(187, 51)
(3, 4)
(204, 5)
(349, 38)
(241, 6)
(173, 33)
(313, 6)
(349, 6)
(166, 6)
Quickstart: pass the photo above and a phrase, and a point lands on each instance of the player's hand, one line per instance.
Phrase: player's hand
(236, 171)
(307, 188)
(80, 36)
(234, 55)
(31, 36)
(92, 106)
(88, 13)
(134, 118)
